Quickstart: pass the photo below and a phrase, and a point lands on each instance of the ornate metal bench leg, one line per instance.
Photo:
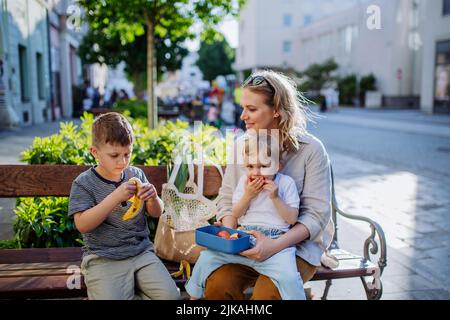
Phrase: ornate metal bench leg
(372, 285)
(328, 284)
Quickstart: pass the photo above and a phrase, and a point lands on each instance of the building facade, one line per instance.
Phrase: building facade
(435, 72)
(268, 30)
(39, 59)
(360, 45)
(407, 50)
(24, 53)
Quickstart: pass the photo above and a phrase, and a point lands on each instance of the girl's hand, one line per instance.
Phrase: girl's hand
(265, 247)
(148, 191)
(272, 187)
(253, 188)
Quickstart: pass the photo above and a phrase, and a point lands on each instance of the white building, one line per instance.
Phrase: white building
(38, 43)
(24, 51)
(408, 52)
(65, 34)
(268, 30)
(386, 50)
(435, 69)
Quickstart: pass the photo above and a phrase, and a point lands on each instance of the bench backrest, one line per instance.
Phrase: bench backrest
(56, 180)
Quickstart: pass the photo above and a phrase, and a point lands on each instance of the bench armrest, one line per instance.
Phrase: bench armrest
(371, 246)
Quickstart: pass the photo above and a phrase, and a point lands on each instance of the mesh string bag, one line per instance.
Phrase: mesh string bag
(183, 213)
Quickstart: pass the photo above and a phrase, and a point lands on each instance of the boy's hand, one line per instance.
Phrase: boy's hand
(272, 187)
(253, 188)
(148, 191)
(125, 191)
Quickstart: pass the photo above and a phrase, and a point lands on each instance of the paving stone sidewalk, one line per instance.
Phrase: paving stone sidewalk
(416, 224)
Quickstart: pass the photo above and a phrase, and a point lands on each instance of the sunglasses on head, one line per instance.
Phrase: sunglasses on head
(256, 81)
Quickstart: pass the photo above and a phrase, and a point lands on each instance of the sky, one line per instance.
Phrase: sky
(229, 28)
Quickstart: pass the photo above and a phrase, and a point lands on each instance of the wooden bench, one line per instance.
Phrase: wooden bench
(53, 272)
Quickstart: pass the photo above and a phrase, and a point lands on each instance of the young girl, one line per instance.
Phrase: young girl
(266, 201)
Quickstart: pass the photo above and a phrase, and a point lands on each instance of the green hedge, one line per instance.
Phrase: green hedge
(137, 108)
(43, 222)
(347, 89)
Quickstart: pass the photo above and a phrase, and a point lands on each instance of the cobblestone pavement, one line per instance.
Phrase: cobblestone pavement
(414, 214)
(404, 189)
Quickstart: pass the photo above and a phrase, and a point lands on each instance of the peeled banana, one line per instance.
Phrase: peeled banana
(185, 270)
(136, 203)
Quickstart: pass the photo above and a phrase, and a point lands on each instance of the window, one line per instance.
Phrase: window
(287, 46)
(24, 89)
(287, 20)
(442, 77)
(40, 76)
(446, 7)
(307, 20)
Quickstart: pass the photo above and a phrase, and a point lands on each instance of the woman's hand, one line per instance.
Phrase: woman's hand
(265, 247)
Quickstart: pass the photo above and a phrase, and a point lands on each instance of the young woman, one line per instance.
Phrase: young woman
(270, 101)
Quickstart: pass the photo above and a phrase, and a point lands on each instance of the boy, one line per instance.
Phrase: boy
(117, 253)
(267, 202)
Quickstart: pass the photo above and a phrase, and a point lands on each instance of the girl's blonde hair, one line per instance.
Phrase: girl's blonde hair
(281, 93)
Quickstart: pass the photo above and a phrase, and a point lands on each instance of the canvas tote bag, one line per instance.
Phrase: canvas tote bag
(183, 213)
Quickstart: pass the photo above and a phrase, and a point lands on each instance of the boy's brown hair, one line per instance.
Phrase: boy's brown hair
(112, 128)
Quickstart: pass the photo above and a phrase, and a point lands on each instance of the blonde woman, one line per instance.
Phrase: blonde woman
(270, 101)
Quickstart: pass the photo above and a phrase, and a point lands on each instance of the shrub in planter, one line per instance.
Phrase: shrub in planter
(43, 223)
(347, 89)
(367, 83)
(136, 108)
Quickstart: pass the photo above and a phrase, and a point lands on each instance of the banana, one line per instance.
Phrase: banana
(136, 203)
(185, 270)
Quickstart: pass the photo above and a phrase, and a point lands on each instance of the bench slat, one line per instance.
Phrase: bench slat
(39, 255)
(5, 268)
(49, 286)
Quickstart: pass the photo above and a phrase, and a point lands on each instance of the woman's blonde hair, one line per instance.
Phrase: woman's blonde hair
(281, 93)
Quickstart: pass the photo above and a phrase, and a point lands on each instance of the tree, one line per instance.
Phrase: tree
(316, 75)
(96, 47)
(215, 58)
(170, 19)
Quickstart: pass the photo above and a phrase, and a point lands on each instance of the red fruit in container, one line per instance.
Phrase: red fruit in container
(223, 234)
